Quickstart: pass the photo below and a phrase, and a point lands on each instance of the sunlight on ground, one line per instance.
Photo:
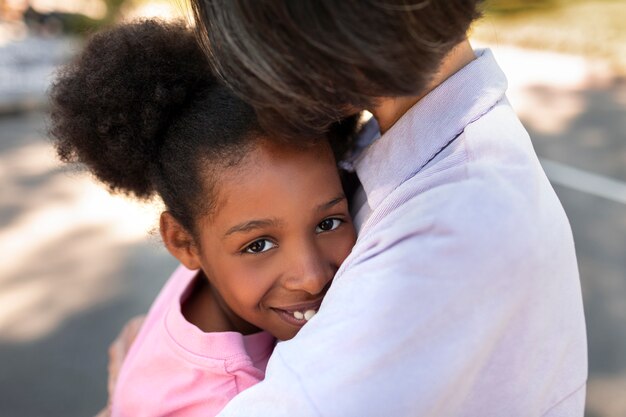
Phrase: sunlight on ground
(61, 226)
(591, 28)
(527, 71)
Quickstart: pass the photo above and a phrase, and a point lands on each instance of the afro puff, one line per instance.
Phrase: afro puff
(141, 108)
(111, 105)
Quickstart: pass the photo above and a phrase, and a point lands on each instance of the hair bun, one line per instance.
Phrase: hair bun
(112, 104)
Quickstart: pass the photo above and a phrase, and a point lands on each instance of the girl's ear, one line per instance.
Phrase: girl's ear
(179, 241)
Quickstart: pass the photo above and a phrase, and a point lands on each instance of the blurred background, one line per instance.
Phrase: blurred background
(77, 263)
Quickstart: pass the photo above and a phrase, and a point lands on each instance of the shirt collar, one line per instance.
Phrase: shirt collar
(429, 126)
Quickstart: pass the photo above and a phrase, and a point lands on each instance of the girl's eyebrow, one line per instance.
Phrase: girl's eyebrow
(249, 225)
(252, 225)
(331, 203)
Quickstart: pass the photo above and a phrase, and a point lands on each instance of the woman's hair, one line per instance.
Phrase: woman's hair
(141, 108)
(304, 64)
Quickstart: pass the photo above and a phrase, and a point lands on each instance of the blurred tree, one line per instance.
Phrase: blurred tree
(516, 6)
(113, 9)
(74, 23)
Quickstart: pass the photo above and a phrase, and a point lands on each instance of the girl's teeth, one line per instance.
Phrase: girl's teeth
(309, 314)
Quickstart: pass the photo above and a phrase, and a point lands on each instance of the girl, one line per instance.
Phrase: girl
(260, 226)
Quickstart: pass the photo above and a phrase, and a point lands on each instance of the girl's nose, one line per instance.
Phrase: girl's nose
(310, 271)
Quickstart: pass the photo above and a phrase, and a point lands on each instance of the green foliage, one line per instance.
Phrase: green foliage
(591, 28)
(82, 25)
(113, 8)
(517, 6)
(79, 24)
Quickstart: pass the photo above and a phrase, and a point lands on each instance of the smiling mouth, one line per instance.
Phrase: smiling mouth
(300, 315)
(296, 318)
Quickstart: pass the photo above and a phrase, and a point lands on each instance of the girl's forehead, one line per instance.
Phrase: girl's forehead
(272, 179)
(272, 154)
(281, 148)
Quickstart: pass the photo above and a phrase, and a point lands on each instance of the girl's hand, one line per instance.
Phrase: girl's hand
(106, 412)
(117, 353)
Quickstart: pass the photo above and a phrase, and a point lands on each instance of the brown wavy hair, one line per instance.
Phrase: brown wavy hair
(303, 64)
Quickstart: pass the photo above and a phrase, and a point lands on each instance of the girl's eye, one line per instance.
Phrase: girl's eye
(328, 225)
(259, 246)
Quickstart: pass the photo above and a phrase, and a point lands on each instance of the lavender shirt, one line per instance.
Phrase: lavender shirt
(461, 296)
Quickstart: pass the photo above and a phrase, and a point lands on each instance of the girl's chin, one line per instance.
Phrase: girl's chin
(284, 333)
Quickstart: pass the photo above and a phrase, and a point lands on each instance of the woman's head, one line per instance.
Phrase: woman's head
(142, 110)
(305, 63)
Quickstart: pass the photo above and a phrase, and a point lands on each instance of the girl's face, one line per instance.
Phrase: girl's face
(279, 232)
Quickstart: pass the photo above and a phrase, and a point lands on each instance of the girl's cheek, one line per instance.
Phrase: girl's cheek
(258, 278)
(344, 243)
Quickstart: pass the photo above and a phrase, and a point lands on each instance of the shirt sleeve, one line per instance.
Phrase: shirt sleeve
(464, 306)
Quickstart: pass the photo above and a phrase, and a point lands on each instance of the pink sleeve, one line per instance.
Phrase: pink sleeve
(176, 369)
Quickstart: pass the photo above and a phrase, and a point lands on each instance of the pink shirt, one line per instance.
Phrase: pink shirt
(174, 368)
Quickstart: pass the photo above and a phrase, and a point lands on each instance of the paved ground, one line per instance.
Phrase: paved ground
(76, 263)
(579, 131)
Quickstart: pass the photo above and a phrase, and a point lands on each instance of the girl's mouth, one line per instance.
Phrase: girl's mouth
(298, 315)
(296, 318)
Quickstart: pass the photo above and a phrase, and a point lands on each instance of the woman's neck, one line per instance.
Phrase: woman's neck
(391, 109)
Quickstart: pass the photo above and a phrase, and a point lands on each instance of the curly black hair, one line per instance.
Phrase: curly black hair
(142, 109)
